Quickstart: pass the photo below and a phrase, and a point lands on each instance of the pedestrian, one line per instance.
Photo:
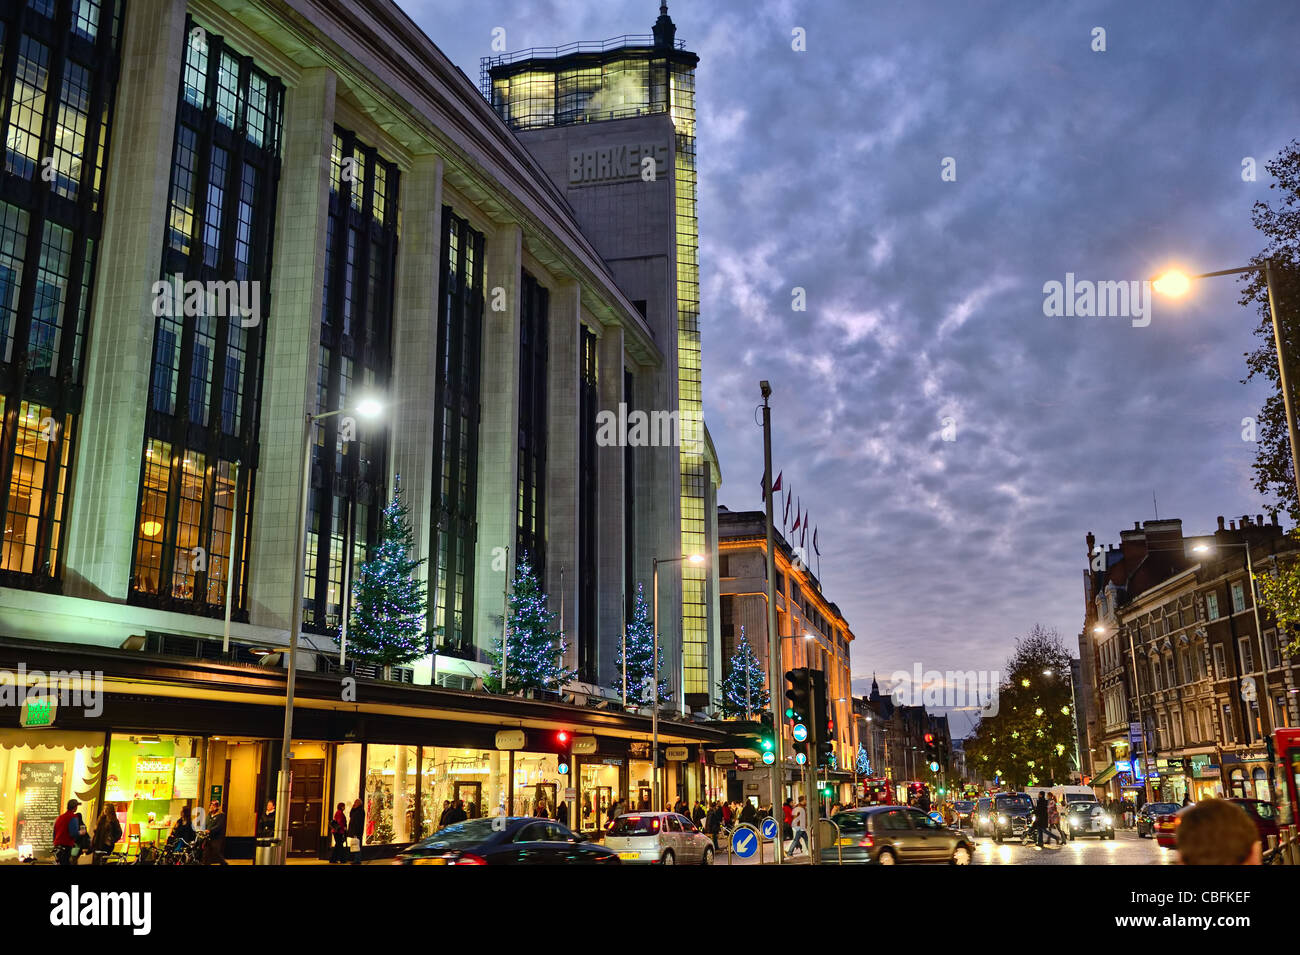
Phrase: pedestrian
(183, 832)
(446, 808)
(107, 833)
(266, 824)
(339, 835)
(1218, 832)
(562, 813)
(713, 822)
(698, 814)
(748, 814)
(726, 814)
(214, 852)
(457, 813)
(1054, 821)
(1040, 819)
(356, 826)
(787, 819)
(799, 820)
(1187, 799)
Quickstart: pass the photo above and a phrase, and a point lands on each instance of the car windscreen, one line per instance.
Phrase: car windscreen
(964, 806)
(1014, 804)
(1261, 810)
(1160, 808)
(460, 835)
(1072, 800)
(636, 826)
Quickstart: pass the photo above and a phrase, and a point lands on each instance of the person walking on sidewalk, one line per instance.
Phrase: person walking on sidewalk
(799, 820)
(356, 826)
(1054, 822)
(1040, 819)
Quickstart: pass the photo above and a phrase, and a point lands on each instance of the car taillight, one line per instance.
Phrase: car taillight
(469, 859)
(866, 842)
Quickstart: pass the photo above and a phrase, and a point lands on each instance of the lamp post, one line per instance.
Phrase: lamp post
(654, 679)
(1259, 630)
(1074, 715)
(1175, 284)
(1142, 724)
(366, 408)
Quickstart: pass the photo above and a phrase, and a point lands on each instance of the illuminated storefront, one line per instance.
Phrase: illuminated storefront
(151, 779)
(39, 772)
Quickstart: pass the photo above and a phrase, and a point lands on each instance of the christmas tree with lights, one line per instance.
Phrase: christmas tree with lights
(390, 603)
(863, 762)
(640, 645)
(534, 652)
(744, 690)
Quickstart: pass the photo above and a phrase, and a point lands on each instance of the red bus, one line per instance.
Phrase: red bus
(1286, 752)
(874, 791)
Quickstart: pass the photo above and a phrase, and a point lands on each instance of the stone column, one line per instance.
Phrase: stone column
(563, 405)
(498, 434)
(413, 394)
(292, 344)
(101, 526)
(609, 513)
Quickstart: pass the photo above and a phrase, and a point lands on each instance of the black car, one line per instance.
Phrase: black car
(963, 810)
(1012, 814)
(507, 841)
(1146, 817)
(982, 818)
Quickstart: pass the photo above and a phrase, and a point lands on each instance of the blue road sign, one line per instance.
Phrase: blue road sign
(769, 758)
(800, 758)
(937, 817)
(800, 732)
(744, 843)
(769, 829)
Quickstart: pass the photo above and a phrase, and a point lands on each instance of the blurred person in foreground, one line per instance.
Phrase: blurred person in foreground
(1217, 832)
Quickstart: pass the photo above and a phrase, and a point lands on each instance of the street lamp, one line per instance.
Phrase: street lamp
(1074, 710)
(1142, 723)
(654, 679)
(1175, 283)
(368, 407)
(1254, 606)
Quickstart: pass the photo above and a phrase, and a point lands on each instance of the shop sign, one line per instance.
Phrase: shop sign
(570, 793)
(40, 802)
(611, 761)
(584, 745)
(38, 712)
(216, 794)
(724, 757)
(638, 750)
(510, 739)
(153, 777)
(677, 754)
(185, 782)
(744, 764)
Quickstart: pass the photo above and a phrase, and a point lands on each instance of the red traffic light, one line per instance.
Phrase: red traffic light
(929, 738)
(562, 737)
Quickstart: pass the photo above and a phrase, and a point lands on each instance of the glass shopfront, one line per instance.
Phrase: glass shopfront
(599, 787)
(390, 794)
(538, 786)
(151, 779)
(39, 772)
(473, 777)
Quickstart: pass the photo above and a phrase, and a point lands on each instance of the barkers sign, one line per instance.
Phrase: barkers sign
(622, 163)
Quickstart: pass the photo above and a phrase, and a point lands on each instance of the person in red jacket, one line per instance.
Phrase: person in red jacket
(66, 830)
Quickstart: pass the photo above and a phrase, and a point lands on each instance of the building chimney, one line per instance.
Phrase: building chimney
(1137, 525)
(1275, 519)
(1259, 519)
(1220, 522)
(1232, 525)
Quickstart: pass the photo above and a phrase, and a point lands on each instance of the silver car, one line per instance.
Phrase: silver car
(658, 838)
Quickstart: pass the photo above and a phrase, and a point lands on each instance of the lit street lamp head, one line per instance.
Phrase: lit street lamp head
(1173, 283)
(370, 408)
(696, 558)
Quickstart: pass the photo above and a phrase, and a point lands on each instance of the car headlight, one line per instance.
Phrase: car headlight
(1004, 819)
(1106, 820)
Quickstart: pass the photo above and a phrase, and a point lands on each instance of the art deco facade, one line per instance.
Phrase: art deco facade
(219, 218)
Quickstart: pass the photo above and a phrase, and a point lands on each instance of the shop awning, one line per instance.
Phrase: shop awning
(1105, 776)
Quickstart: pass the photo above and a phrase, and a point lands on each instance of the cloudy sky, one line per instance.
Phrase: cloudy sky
(822, 170)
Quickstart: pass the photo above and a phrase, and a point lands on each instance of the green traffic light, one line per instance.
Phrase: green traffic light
(789, 712)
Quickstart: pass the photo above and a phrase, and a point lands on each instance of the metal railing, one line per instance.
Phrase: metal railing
(1283, 849)
(579, 46)
(839, 834)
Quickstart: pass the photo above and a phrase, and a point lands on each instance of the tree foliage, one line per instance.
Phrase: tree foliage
(743, 692)
(1030, 740)
(534, 653)
(1280, 224)
(640, 654)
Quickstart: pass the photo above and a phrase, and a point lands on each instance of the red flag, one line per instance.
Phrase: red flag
(815, 550)
(777, 486)
(796, 517)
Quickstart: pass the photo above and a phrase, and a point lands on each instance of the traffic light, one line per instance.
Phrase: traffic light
(821, 717)
(931, 752)
(798, 709)
(563, 740)
(767, 738)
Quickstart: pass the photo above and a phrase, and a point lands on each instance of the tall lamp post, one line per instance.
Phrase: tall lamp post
(774, 669)
(654, 680)
(1142, 723)
(366, 408)
(1259, 630)
(1175, 284)
(1074, 715)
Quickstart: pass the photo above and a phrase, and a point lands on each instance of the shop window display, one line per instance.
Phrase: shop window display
(39, 772)
(390, 794)
(474, 777)
(150, 779)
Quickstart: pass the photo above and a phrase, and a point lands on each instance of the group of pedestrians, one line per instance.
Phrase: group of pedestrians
(1047, 821)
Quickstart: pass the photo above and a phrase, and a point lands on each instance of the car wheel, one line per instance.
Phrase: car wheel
(708, 856)
(887, 857)
(1111, 834)
(668, 858)
(960, 856)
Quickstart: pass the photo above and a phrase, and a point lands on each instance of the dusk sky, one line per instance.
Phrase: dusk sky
(821, 170)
